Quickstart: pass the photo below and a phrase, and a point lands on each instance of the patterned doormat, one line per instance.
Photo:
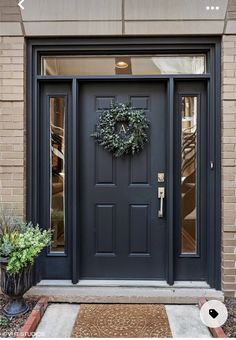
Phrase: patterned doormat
(121, 321)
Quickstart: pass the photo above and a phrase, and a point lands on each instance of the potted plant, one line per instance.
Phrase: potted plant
(20, 244)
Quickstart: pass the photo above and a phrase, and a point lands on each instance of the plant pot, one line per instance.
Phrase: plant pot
(15, 286)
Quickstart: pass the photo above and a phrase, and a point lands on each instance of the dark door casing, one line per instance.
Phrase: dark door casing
(191, 266)
(178, 267)
(53, 265)
(121, 236)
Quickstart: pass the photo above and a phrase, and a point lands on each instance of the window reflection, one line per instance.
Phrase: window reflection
(115, 65)
(188, 174)
(57, 116)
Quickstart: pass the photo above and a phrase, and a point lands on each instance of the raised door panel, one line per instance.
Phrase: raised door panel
(121, 236)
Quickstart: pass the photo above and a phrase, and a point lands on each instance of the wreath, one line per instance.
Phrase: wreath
(122, 129)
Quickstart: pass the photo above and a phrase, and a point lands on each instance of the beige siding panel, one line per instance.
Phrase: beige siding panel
(78, 28)
(60, 10)
(174, 27)
(180, 10)
(10, 28)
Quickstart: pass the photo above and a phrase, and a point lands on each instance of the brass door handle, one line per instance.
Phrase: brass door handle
(161, 196)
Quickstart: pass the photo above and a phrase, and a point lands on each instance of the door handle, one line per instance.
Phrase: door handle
(161, 196)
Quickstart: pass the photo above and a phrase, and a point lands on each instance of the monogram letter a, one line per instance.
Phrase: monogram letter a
(122, 129)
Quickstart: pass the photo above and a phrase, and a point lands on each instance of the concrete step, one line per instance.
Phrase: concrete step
(106, 294)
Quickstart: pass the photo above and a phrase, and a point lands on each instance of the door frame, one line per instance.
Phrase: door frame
(211, 46)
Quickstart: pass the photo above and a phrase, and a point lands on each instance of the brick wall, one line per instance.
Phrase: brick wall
(229, 164)
(9, 11)
(12, 157)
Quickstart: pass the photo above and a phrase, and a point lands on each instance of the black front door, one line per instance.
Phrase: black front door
(121, 235)
(105, 211)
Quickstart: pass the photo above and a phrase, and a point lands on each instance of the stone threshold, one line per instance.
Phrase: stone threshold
(82, 293)
(123, 283)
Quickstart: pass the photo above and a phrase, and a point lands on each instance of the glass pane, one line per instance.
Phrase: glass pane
(57, 116)
(112, 65)
(189, 175)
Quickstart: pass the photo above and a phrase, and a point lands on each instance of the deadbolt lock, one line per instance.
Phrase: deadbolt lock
(160, 177)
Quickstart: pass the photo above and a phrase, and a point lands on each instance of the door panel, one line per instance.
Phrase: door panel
(121, 235)
(190, 180)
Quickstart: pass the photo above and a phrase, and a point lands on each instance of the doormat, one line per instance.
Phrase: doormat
(121, 321)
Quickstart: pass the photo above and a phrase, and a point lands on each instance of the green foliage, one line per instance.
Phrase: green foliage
(21, 243)
(7, 222)
(4, 322)
(119, 144)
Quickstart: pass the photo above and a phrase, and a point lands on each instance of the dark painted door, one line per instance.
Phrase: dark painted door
(121, 235)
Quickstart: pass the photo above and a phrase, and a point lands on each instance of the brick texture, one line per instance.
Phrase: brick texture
(33, 319)
(12, 123)
(9, 11)
(229, 164)
(231, 10)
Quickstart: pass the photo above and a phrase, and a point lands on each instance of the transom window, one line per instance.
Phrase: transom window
(118, 65)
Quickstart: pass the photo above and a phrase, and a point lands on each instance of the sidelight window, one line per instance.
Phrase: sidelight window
(118, 65)
(189, 174)
(57, 173)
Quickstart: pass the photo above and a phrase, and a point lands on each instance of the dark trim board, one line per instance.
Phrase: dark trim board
(170, 166)
(132, 45)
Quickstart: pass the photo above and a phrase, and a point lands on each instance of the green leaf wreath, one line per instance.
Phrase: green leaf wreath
(122, 129)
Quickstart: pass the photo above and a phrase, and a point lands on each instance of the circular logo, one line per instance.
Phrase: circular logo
(213, 314)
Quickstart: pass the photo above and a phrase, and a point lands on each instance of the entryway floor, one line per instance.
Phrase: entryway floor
(59, 319)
